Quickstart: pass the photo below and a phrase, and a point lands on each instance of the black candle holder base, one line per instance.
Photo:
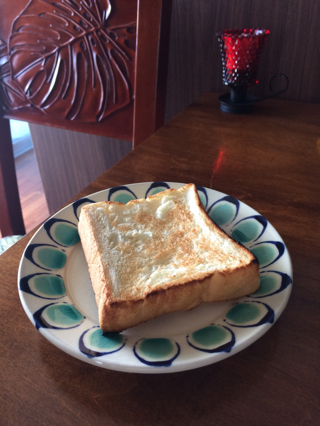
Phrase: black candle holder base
(244, 106)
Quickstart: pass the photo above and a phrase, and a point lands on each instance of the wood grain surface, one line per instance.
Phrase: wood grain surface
(269, 160)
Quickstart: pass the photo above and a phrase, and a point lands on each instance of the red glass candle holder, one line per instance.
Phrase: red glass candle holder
(240, 50)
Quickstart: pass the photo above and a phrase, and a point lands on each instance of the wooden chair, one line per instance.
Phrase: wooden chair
(92, 66)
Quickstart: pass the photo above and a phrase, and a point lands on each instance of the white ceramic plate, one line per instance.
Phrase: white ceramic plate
(56, 293)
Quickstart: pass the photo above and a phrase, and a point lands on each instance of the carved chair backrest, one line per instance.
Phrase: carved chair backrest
(85, 65)
(75, 64)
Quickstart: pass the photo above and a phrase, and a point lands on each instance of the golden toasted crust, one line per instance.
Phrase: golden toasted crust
(118, 316)
(235, 272)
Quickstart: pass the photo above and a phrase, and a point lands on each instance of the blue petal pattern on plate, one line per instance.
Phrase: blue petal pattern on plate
(59, 316)
(156, 187)
(62, 232)
(249, 314)
(249, 229)
(44, 285)
(267, 252)
(95, 343)
(224, 211)
(157, 352)
(46, 256)
(212, 339)
(78, 204)
(121, 194)
(271, 282)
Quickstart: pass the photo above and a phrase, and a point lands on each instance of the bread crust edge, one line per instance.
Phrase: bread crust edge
(116, 316)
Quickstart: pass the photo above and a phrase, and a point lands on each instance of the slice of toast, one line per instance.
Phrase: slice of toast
(160, 254)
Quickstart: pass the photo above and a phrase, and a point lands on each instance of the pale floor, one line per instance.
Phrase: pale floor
(32, 198)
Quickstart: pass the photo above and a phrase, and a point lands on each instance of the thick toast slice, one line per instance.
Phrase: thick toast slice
(160, 254)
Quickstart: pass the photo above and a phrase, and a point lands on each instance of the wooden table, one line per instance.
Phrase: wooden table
(269, 160)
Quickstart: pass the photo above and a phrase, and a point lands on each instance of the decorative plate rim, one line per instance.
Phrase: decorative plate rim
(61, 312)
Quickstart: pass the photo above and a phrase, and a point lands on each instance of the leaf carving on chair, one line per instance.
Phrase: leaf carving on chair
(67, 61)
(11, 95)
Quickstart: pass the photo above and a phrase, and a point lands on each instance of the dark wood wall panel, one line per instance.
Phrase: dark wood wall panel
(292, 47)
